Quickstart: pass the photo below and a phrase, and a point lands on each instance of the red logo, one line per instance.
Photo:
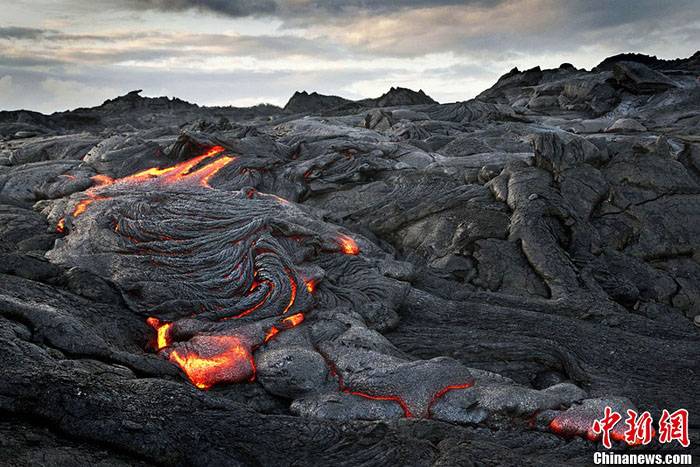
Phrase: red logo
(640, 431)
(606, 424)
(674, 427)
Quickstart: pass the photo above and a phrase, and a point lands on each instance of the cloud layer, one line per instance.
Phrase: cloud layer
(67, 53)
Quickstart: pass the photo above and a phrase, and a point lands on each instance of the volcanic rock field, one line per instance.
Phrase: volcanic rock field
(390, 281)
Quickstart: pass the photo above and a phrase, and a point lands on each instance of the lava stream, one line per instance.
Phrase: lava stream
(348, 245)
(169, 175)
(222, 359)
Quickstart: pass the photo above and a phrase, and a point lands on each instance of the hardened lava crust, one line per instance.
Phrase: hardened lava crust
(390, 281)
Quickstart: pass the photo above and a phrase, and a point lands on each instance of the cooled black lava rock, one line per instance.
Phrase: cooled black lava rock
(387, 281)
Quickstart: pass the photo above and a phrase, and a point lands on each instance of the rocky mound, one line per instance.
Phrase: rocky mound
(303, 102)
(400, 97)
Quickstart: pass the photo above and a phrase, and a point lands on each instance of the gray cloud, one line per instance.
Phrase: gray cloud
(413, 28)
(290, 9)
(16, 32)
(230, 51)
(235, 8)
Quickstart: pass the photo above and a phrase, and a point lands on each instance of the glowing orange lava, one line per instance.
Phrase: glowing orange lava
(390, 397)
(311, 286)
(289, 322)
(257, 305)
(348, 245)
(162, 332)
(61, 226)
(444, 391)
(100, 180)
(406, 411)
(231, 364)
(183, 170)
(447, 389)
(293, 294)
(207, 172)
(271, 334)
(293, 320)
(82, 206)
(168, 175)
(176, 172)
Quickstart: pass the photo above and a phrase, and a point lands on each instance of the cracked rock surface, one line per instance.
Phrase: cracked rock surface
(390, 281)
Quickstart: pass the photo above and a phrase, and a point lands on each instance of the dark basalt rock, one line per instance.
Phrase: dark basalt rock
(691, 63)
(402, 96)
(390, 281)
(314, 103)
(303, 102)
(640, 79)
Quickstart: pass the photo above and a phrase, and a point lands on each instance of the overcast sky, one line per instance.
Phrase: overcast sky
(61, 54)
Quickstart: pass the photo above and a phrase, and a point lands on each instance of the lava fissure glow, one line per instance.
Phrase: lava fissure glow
(406, 411)
(179, 172)
(234, 363)
(348, 245)
(333, 369)
(293, 293)
(293, 320)
(271, 334)
(289, 322)
(183, 170)
(257, 306)
(311, 286)
(162, 332)
(82, 205)
(444, 391)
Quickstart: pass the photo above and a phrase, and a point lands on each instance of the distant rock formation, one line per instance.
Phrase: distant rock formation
(134, 101)
(302, 102)
(690, 63)
(640, 79)
(402, 96)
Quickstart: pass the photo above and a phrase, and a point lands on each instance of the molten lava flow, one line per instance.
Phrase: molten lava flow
(348, 245)
(289, 322)
(147, 174)
(231, 363)
(82, 206)
(162, 332)
(444, 391)
(293, 294)
(293, 320)
(172, 174)
(61, 226)
(207, 172)
(406, 411)
(271, 334)
(257, 305)
(311, 286)
(389, 397)
(102, 180)
(183, 170)
(341, 386)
